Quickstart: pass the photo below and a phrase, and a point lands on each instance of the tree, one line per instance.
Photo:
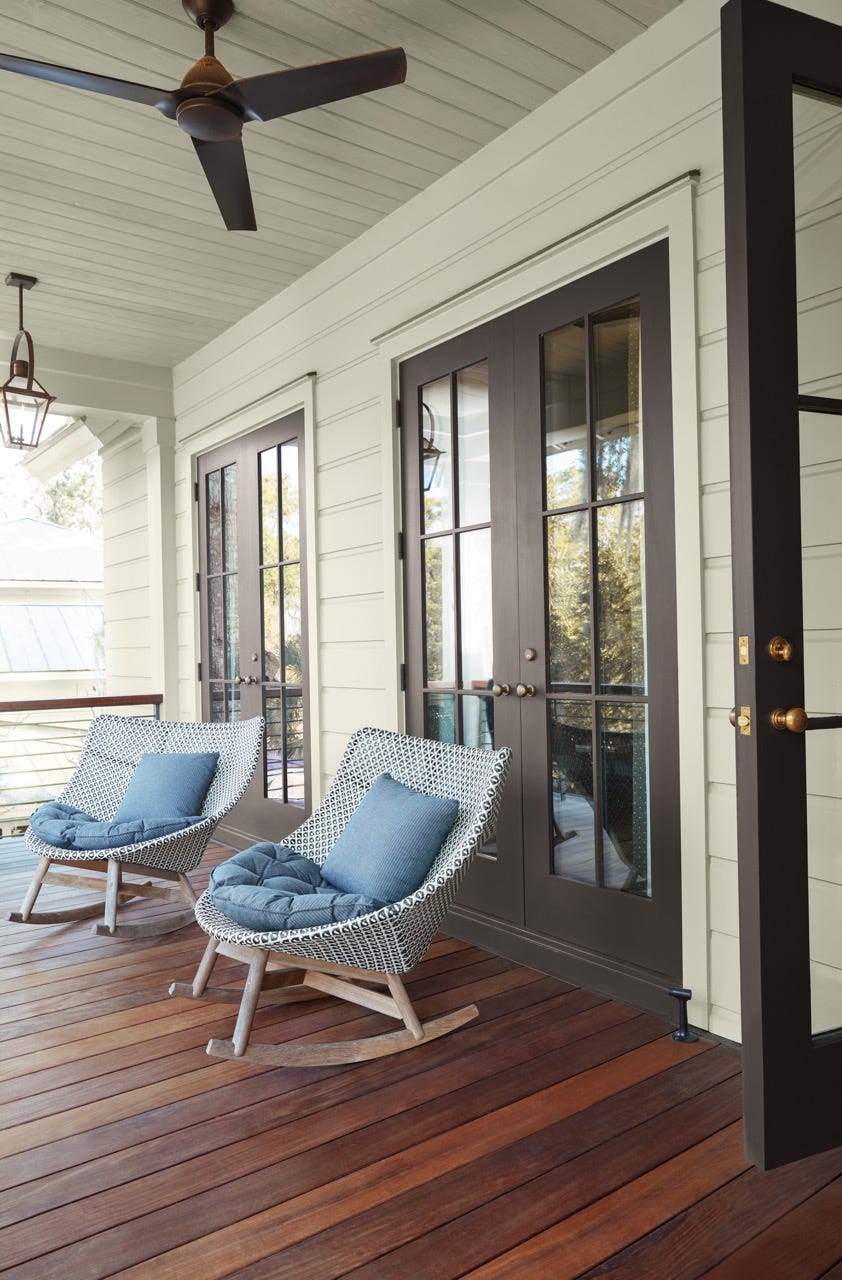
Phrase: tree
(74, 498)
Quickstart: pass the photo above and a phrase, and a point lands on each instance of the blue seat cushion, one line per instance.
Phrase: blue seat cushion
(65, 827)
(390, 841)
(168, 785)
(270, 888)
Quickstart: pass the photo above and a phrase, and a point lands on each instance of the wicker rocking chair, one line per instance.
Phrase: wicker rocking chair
(109, 756)
(347, 958)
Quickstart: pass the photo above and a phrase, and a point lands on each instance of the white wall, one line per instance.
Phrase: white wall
(597, 172)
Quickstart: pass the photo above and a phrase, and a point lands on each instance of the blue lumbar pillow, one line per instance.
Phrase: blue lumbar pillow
(168, 786)
(272, 889)
(390, 841)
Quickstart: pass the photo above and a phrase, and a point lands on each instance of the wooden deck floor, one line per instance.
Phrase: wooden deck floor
(559, 1135)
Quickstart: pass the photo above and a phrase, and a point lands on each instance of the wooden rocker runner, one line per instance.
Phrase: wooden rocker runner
(110, 754)
(361, 959)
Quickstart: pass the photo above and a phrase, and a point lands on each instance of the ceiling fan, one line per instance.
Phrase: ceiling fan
(212, 107)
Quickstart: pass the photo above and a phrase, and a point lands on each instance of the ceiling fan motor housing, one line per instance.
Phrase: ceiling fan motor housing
(208, 118)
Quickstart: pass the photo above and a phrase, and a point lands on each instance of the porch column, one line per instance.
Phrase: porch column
(158, 435)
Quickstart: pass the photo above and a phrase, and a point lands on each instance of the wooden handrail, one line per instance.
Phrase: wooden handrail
(66, 704)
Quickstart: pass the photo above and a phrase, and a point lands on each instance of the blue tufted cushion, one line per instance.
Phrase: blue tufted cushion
(168, 786)
(390, 841)
(65, 827)
(270, 888)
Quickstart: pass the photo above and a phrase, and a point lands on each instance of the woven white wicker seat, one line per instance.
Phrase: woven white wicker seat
(111, 751)
(345, 958)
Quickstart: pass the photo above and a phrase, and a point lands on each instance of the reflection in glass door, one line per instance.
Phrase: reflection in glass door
(594, 538)
(456, 550)
(253, 612)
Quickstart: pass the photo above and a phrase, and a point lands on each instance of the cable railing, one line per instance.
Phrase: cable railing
(40, 742)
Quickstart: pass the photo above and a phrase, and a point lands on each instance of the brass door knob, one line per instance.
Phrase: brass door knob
(741, 721)
(525, 690)
(794, 721)
(501, 690)
(780, 649)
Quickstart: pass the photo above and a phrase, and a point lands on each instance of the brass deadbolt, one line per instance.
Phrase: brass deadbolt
(780, 649)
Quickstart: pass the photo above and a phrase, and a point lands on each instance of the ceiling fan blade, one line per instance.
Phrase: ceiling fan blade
(165, 100)
(279, 93)
(224, 164)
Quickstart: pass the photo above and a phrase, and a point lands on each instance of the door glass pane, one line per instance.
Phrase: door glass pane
(271, 624)
(818, 187)
(624, 767)
(217, 703)
(294, 746)
(292, 624)
(232, 701)
(569, 598)
(437, 455)
(440, 629)
(572, 790)
(274, 745)
(269, 544)
(214, 521)
(621, 593)
(229, 500)
(216, 628)
(474, 455)
(478, 723)
(232, 627)
(566, 443)
(475, 592)
(616, 384)
(440, 716)
(290, 501)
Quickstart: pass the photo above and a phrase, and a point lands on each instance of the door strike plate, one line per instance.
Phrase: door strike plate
(742, 651)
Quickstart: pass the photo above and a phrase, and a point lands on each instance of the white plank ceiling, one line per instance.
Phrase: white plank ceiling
(105, 202)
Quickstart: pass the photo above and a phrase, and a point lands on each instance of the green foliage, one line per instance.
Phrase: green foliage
(74, 498)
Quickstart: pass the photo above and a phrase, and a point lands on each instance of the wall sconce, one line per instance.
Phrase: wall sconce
(430, 455)
(24, 401)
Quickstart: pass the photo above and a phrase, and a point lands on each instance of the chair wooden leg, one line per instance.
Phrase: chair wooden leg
(248, 1005)
(34, 889)
(114, 876)
(402, 1000)
(205, 968)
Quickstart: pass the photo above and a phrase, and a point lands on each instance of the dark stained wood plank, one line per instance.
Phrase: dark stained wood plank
(347, 1136)
(141, 1160)
(559, 1134)
(803, 1243)
(667, 1100)
(598, 1231)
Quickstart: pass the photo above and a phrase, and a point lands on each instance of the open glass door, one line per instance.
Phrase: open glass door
(782, 114)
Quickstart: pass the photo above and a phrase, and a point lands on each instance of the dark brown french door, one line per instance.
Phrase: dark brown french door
(253, 614)
(782, 115)
(538, 505)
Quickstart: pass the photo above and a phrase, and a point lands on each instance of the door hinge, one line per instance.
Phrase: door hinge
(403, 677)
(400, 544)
(199, 672)
(196, 491)
(398, 415)
(198, 582)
